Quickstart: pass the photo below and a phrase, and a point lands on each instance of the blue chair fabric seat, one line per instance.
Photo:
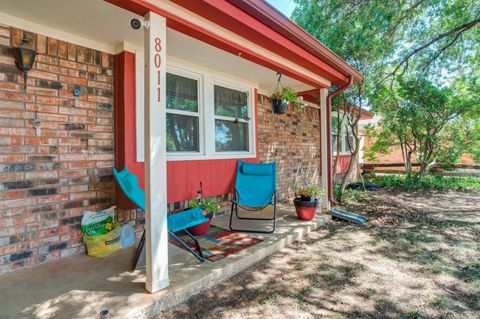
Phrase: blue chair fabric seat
(186, 219)
(255, 189)
(177, 222)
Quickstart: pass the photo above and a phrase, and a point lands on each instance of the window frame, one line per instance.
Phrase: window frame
(207, 79)
(343, 135)
(236, 87)
(200, 114)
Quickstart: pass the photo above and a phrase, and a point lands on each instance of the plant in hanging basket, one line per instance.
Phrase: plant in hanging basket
(209, 207)
(306, 201)
(282, 97)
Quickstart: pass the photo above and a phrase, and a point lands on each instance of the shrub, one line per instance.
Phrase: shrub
(349, 195)
(206, 204)
(426, 182)
(307, 191)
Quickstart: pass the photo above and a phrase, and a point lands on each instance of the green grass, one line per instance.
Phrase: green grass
(426, 182)
(439, 302)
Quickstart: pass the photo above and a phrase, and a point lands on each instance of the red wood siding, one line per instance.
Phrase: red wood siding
(183, 177)
(125, 123)
(343, 163)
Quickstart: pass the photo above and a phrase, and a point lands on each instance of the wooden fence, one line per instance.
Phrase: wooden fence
(460, 169)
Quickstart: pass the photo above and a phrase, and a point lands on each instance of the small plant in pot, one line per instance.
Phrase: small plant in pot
(306, 201)
(209, 207)
(280, 99)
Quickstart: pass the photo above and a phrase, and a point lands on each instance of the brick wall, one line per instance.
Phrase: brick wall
(47, 181)
(293, 140)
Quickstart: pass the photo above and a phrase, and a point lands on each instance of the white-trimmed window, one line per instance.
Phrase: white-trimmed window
(183, 113)
(232, 121)
(208, 116)
(344, 137)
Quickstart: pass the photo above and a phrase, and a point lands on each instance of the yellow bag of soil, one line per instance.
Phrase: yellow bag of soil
(103, 245)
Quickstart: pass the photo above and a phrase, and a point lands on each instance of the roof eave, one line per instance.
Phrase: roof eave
(270, 16)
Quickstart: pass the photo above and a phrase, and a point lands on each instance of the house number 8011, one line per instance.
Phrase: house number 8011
(158, 61)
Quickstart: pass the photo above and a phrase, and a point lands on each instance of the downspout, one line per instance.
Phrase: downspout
(329, 135)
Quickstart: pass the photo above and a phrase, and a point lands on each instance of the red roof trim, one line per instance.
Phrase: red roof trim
(262, 24)
(141, 7)
(240, 22)
(264, 12)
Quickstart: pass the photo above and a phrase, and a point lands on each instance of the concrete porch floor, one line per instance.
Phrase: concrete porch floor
(81, 286)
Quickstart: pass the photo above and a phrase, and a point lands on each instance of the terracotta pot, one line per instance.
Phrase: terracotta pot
(201, 229)
(305, 209)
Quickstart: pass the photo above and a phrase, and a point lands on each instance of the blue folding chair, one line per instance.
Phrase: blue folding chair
(255, 189)
(175, 223)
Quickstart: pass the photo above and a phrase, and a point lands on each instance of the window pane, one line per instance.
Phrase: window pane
(334, 143)
(182, 93)
(231, 103)
(352, 142)
(346, 147)
(230, 136)
(182, 133)
(334, 123)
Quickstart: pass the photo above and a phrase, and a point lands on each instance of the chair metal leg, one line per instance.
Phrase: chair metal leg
(231, 216)
(235, 208)
(199, 256)
(197, 244)
(141, 243)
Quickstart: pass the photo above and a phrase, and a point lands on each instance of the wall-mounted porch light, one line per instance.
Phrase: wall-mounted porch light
(24, 58)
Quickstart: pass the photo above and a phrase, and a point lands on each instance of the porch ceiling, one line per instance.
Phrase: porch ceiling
(103, 26)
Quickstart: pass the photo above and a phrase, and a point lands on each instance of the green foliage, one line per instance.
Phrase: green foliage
(475, 148)
(384, 141)
(307, 191)
(288, 94)
(209, 205)
(425, 182)
(424, 120)
(349, 195)
(378, 36)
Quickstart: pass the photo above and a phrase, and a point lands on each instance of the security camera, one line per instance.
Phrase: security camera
(137, 24)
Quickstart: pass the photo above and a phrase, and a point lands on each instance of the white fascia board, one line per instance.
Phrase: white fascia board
(203, 23)
(55, 33)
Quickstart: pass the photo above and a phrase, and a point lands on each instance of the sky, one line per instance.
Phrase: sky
(284, 6)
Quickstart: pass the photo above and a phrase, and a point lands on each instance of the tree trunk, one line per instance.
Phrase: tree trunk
(408, 163)
(339, 131)
(353, 119)
(351, 165)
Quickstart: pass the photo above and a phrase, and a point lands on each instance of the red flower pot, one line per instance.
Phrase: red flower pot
(201, 229)
(305, 209)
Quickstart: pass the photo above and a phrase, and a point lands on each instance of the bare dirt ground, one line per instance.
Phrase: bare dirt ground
(418, 257)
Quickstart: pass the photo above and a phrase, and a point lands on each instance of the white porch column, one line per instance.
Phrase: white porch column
(155, 154)
(324, 139)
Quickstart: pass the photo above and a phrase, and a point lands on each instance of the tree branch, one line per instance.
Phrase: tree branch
(457, 30)
(442, 50)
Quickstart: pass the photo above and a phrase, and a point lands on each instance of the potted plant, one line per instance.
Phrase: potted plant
(306, 201)
(282, 97)
(209, 207)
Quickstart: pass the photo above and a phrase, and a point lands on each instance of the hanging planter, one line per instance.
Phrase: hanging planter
(279, 106)
(283, 96)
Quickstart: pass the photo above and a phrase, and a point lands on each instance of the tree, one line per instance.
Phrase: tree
(427, 121)
(437, 40)
(354, 114)
(358, 36)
